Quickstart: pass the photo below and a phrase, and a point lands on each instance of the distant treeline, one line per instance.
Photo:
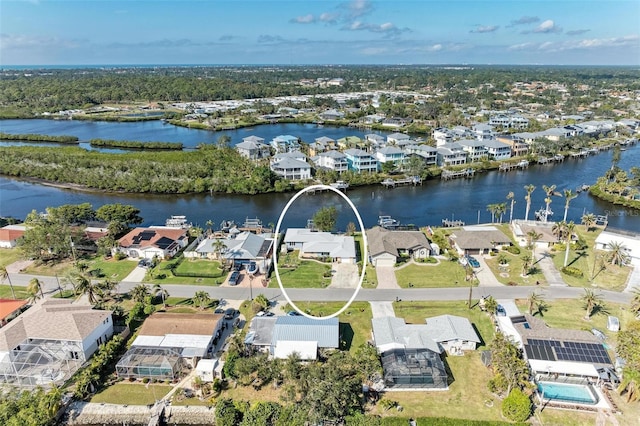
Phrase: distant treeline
(110, 143)
(32, 137)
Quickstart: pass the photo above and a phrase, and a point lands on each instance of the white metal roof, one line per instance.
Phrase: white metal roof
(563, 367)
(305, 350)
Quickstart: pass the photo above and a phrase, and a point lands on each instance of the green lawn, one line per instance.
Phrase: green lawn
(355, 322)
(612, 278)
(511, 273)
(5, 292)
(370, 277)
(298, 273)
(162, 273)
(111, 268)
(446, 274)
(131, 394)
(8, 256)
(60, 269)
(417, 312)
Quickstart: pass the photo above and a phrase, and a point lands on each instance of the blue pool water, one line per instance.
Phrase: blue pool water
(566, 392)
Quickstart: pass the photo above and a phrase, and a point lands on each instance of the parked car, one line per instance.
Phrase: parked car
(229, 313)
(473, 262)
(233, 278)
(293, 313)
(501, 311)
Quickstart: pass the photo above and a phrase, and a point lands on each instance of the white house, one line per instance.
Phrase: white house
(339, 248)
(474, 148)
(285, 143)
(333, 160)
(442, 136)
(426, 153)
(497, 150)
(390, 154)
(253, 149)
(46, 344)
(147, 243)
(630, 243)
(289, 168)
(361, 161)
(395, 138)
(451, 154)
(483, 131)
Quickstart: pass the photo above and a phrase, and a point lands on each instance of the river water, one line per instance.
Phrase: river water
(428, 204)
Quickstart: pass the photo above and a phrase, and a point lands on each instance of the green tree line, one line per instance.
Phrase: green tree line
(110, 143)
(32, 137)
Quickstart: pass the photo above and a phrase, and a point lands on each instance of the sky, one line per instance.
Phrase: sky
(544, 32)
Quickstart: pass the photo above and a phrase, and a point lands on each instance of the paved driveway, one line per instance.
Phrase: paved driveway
(345, 275)
(382, 309)
(386, 277)
(485, 275)
(137, 275)
(634, 277)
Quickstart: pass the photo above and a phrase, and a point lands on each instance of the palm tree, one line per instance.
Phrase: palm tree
(218, 247)
(491, 305)
(529, 188)
(569, 229)
(82, 284)
(588, 220)
(533, 237)
(550, 191)
(535, 301)
(526, 264)
(618, 255)
(568, 196)
(209, 224)
(158, 290)
(201, 298)
(630, 384)
(4, 274)
(501, 209)
(139, 293)
(53, 400)
(492, 208)
(591, 300)
(35, 290)
(558, 230)
(511, 197)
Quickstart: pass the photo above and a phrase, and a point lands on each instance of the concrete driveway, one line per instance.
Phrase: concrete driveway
(386, 277)
(382, 309)
(345, 275)
(137, 275)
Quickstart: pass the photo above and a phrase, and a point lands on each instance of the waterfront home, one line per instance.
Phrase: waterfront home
(513, 121)
(390, 154)
(387, 246)
(292, 169)
(451, 154)
(155, 241)
(285, 143)
(556, 134)
(46, 344)
(517, 145)
(321, 144)
(597, 127)
(630, 242)
(238, 249)
(474, 148)
(630, 123)
(395, 138)
(426, 153)
(284, 335)
(10, 234)
(291, 155)
(497, 150)
(253, 148)
(395, 122)
(314, 244)
(331, 115)
(350, 142)
(376, 141)
(169, 343)
(522, 228)
(461, 132)
(442, 135)
(372, 119)
(361, 161)
(332, 160)
(527, 137)
(478, 239)
(482, 131)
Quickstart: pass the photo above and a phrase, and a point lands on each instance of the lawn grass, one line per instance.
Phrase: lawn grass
(301, 273)
(466, 398)
(355, 321)
(131, 394)
(370, 277)
(182, 305)
(162, 273)
(514, 269)
(21, 292)
(569, 313)
(613, 277)
(50, 269)
(8, 256)
(111, 268)
(417, 312)
(445, 274)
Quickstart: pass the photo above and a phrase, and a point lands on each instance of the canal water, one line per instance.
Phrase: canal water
(426, 204)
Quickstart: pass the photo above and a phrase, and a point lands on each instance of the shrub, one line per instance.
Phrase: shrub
(572, 271)
(387, 404)
(512, 249)
(498, 384)
(516, 406)
(120, 256)
(145, 380)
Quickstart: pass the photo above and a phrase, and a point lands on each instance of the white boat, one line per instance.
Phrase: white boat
(543, 214)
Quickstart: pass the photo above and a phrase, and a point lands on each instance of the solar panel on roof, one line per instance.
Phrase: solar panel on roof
(164, 242)
(147, 235)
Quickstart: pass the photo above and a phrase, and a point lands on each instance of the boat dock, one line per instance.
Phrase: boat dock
(449, 174)
(452, 223)
(507, 167)
(340, 185)
(412, 180)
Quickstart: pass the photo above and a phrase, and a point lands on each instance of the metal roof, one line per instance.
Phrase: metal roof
(302, 329)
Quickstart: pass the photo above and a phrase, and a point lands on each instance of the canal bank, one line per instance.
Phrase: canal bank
(85, 414)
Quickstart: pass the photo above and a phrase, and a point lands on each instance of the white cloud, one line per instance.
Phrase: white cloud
(329, 18)
(359, 8)
(521, 46)
(547, 26)
(21, 41)
(632, 42)
(485, 29)
(305, 19)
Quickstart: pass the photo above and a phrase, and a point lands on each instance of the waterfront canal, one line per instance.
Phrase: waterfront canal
(428, 204)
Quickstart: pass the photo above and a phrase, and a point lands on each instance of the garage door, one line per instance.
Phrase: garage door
(384, 261)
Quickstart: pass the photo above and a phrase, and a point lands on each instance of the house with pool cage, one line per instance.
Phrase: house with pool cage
(169, 343)
(46, 344)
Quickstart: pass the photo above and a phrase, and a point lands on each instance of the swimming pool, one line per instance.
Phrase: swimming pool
(565, 392)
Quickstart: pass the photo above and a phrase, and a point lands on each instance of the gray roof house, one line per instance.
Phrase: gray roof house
(385, 246)
(243, 248)
(333, 160)
(339, 248)
(452, 332)
(253, 150)
(292, 169)
(427, 153)
(289, 334)
(478, 239)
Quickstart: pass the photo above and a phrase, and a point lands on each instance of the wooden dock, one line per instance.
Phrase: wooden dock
(507, 167)
(391, 183)
(452, 223)
(449, 174)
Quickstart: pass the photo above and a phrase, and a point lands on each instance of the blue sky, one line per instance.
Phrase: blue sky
(574, 32)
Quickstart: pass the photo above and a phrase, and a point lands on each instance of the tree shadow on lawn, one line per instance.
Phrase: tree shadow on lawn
(346, 336)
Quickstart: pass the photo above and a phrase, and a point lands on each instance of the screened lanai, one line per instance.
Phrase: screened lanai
(413, 369)
(162, 363)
